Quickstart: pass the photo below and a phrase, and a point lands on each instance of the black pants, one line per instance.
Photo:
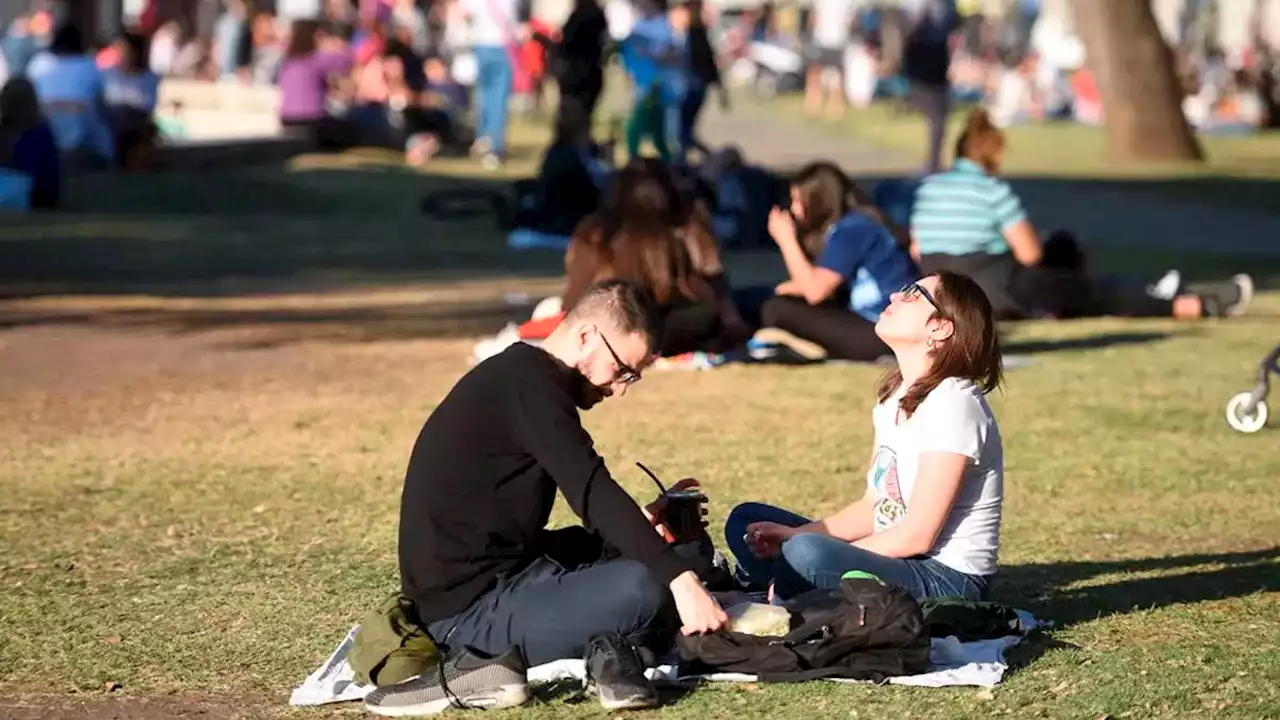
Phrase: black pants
(692, 327)
(844, 334)
(1017, 292)
(578, 102)
(934, 101)
(325, 133)
(1011, 288)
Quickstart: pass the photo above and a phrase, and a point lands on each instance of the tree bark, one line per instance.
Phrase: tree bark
(1140, 90)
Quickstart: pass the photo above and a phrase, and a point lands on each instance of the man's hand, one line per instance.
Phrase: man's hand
(765, 539)
(699, 612)
(653, 511)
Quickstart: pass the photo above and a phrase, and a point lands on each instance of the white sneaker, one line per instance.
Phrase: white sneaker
(1244, 285)
(1167, 287)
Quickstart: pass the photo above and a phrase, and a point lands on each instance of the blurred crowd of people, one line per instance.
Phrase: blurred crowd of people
(1021, 66)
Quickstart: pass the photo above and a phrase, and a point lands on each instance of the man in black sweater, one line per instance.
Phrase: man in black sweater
(475, 557)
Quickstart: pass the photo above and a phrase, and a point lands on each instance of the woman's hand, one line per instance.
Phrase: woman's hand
(788, 287)
(765, 539)
(782, 226)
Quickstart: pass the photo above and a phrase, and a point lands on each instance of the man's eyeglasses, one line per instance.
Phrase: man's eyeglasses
(911, 291)
(627, 375)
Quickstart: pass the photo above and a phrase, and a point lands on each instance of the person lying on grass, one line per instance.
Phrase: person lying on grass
(488, 581)
(930, 518)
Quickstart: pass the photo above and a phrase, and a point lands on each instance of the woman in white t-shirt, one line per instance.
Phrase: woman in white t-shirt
(930, 518)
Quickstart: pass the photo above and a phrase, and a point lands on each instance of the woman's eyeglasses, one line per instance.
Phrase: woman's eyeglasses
(911, 291)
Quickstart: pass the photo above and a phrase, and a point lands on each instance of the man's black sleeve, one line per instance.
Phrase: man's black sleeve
(548, 426)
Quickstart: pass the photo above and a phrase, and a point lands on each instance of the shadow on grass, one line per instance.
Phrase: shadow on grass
(184, 236)
(279, 326)
(569, 692)
(1089, 342)
(1048, 589)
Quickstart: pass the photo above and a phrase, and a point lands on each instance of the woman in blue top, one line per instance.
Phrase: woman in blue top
(843, 261)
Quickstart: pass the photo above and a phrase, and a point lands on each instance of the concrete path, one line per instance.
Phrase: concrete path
(1099, 216)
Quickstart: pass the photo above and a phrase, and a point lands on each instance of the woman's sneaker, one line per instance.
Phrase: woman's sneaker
(467, 679)
(806, 349)
(615, 674)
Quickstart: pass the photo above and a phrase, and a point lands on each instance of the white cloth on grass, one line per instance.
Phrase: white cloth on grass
(951, 663)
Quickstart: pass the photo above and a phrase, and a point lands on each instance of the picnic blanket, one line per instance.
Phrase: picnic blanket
(951, 663)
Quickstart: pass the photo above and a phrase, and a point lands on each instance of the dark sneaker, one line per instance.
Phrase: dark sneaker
(615, 674)
(466, 679)
(1231, 300)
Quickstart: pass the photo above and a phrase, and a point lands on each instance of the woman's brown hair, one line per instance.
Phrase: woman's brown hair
(828, 195)
(634, 238)
(971, 353)
(302, 38)
(981, 141)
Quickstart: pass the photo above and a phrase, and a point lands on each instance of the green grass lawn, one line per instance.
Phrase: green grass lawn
(201, 476)
(1241, 172)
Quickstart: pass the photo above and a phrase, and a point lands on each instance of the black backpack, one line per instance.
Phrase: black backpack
(859, 630)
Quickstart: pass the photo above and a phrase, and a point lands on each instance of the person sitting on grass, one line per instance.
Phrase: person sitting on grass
(488, 581)
(650, 235)
(130, 93)
(842, 260)
(70, 86)
(439, 124)
(27, 149)
(310, 63)
(968, 220)
(930, 518)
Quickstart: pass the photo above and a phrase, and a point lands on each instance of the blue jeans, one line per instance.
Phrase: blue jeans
(493, 87)
(812, 560)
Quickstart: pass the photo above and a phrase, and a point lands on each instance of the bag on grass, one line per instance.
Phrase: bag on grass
(859, 630)
(390, 647)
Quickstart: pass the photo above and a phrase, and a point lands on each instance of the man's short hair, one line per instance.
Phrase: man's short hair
(623, 305)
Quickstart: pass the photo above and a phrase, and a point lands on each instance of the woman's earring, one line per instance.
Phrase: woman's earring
(929, 343)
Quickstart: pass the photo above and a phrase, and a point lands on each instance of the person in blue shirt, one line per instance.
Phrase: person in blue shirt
(70, 87)
(649, 54)
(843, 260)
(130, 94)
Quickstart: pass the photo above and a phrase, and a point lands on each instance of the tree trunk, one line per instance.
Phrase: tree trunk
(1140, 90)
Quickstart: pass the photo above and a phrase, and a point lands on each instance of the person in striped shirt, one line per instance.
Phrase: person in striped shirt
(968, 220)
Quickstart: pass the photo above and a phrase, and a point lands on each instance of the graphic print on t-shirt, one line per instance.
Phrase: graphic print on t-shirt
(889, 507)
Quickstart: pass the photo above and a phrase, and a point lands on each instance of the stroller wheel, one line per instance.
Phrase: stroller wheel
(1246, 422)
